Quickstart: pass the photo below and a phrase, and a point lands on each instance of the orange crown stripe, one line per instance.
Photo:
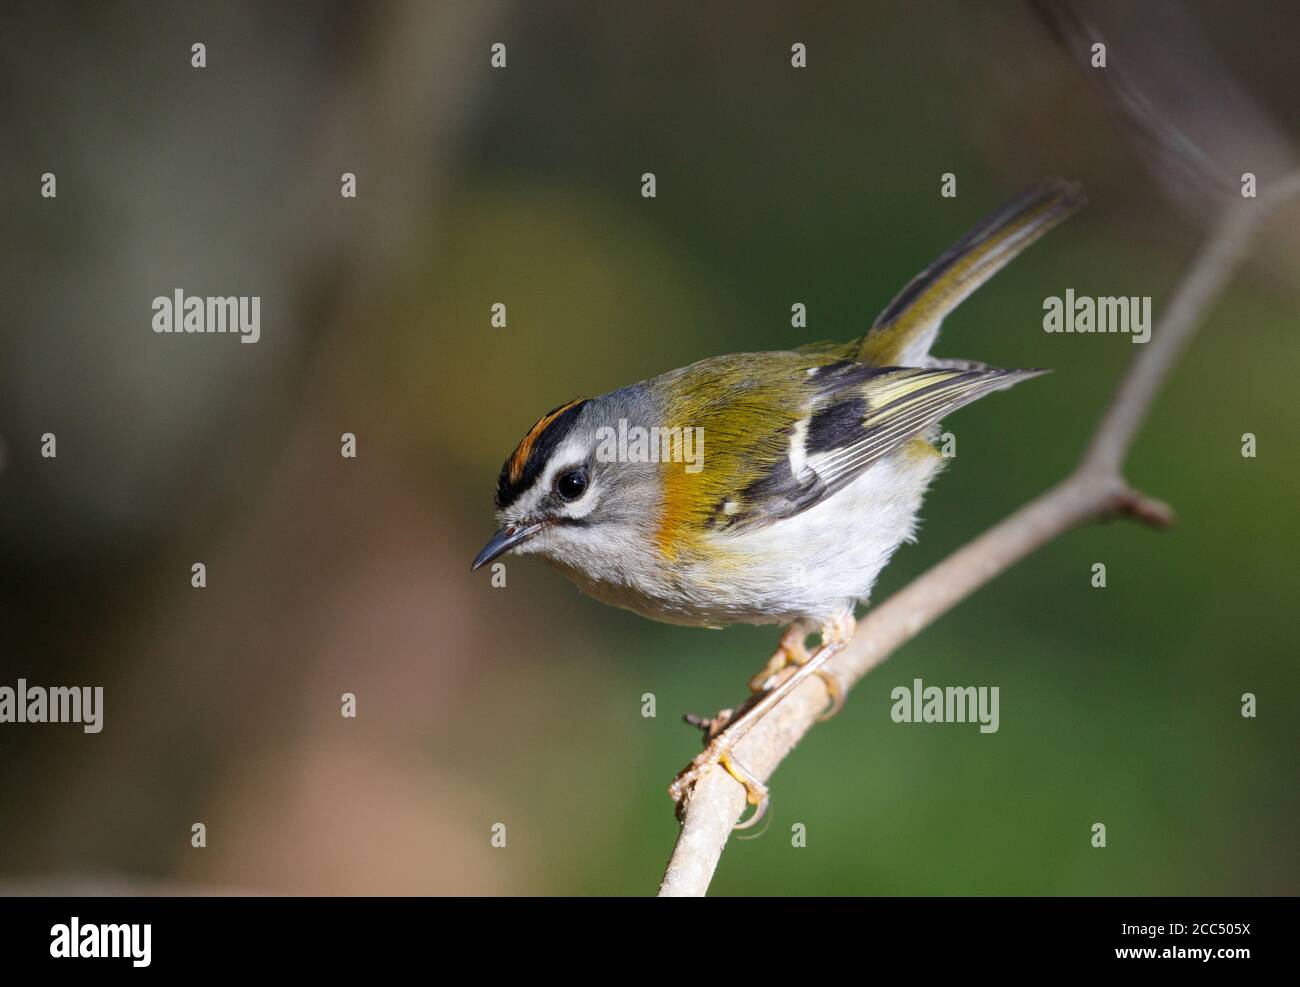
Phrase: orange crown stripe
(520, 459)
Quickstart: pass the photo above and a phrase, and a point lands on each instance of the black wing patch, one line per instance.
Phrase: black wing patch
(852, 429)
(835, 426)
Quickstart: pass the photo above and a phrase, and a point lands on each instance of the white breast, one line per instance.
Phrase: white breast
(814, 565)
(819, 563)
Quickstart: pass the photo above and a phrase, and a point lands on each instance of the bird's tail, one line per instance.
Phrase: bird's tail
(904, 332)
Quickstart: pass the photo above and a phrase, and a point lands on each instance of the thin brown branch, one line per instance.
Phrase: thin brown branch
(1095, 490)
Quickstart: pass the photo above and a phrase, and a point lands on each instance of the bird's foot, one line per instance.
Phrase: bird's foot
(726, 730)
(719, 752)
(792, 653)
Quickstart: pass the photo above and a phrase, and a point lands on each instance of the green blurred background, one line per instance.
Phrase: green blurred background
(522, 705)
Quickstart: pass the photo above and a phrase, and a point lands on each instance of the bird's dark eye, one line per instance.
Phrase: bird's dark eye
(571, 484)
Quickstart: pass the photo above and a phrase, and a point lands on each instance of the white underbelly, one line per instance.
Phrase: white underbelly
(815, 565)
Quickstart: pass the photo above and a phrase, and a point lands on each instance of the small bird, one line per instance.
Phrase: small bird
(763, 488)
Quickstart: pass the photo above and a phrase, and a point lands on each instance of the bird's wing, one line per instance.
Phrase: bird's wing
(904, 332)
(853, 416)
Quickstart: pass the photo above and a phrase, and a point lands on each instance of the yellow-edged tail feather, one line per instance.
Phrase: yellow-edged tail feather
(904, 332)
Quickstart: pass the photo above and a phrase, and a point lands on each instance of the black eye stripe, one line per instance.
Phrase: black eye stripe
(508, 490)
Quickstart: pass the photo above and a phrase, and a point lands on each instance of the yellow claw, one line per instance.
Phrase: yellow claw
(835, 693)
(756, 793)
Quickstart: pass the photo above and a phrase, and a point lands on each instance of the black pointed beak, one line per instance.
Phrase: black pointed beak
(505, 539)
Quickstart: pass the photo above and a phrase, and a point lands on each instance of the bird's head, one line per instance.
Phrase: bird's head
(562, 495)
